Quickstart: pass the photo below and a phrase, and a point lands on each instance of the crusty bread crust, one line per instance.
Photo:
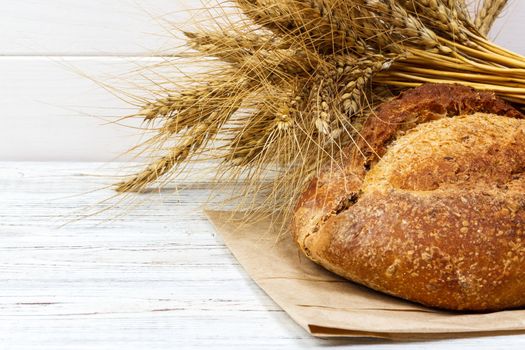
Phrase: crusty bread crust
(432, 208)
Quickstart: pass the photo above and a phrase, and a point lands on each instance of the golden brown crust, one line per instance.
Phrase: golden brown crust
(423, 104)
(440, 218)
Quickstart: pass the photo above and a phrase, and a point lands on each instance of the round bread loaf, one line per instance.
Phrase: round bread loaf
(430, 206)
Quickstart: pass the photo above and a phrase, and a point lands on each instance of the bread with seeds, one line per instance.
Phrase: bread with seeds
(431, 206)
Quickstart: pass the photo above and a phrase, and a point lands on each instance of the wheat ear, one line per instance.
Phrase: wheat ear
(232, 47)
(264, 57)
(447, 15)
(488, 13)
(303, 75)
(314, 22)
(192, 141)
(405, 24)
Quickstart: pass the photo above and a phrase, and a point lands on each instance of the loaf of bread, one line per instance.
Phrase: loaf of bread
(430, 206)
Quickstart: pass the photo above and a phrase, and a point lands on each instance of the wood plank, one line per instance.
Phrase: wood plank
(55, 109)
(96, 27)
(148, 274)
(100, 282)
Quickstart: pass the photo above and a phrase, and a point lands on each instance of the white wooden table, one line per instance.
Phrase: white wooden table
(149, 273)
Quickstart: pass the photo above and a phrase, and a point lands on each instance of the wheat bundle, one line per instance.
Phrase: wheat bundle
(302, 76)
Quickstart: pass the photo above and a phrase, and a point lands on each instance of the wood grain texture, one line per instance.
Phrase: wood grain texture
(65, 108)
(148, 274)
(88, 28)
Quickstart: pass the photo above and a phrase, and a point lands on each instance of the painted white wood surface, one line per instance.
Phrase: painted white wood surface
(88, 28)
(50, 112)
(67, 108)
(148, 274)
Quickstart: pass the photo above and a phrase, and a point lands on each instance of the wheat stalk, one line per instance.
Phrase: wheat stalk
(233, 48)
(299, 77)
(446, 15)
(175, 105)
(488, 13)
(358, 76)
(162, 166)
(405, 24)
(314, 21)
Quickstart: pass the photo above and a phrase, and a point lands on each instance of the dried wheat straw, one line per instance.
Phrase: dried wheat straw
(303, 76)
(488, 13)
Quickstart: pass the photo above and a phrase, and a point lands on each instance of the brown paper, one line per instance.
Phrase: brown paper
(329, 306)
